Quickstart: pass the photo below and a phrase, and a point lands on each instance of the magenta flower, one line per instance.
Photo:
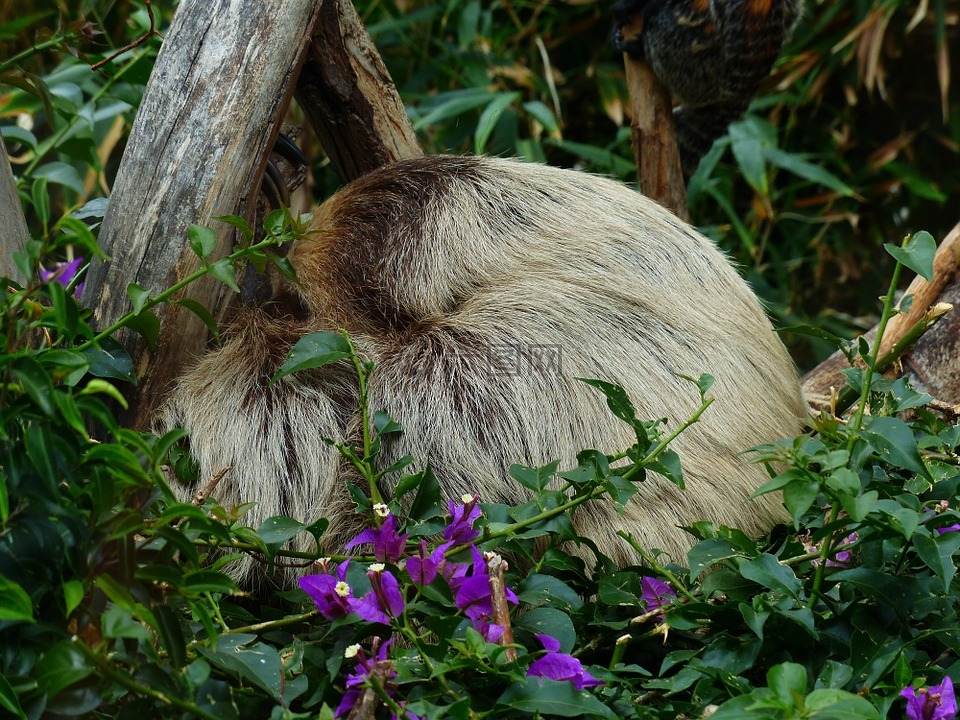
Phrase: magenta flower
(656, 593)
(384, 601)
(948, 529)
(843, 558)
(332, 595)
(560, 666)
(460, 531)
(360, 675)
(936, 702)
(470, 583)
(423, 568)
(388, 544)
(64, 273)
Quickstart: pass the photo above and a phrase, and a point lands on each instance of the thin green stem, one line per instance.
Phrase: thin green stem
(170, 292)
(888, 302)
(58, 39)
(825, 552)
(365, 466)
(273, 624)
(662, 445)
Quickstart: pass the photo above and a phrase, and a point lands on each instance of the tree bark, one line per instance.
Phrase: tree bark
(198, 146)
(653, 134)
(15, 234)
(349, 97)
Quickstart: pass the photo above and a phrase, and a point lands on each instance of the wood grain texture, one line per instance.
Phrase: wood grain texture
(14, 226)
(349, 97)
(653, 133)
(196, 150)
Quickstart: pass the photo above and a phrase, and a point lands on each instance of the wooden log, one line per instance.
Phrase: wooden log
(349, 97)
(653, 134)
(198, 146)
(15, 234)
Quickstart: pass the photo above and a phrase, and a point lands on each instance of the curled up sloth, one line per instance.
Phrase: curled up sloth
(439, 264)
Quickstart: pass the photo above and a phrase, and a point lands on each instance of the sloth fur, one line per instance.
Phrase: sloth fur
(482, 288)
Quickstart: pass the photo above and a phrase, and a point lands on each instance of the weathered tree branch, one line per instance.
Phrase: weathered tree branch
(14, 226)
(350, 99)
(198, 146)
(653, 134)
(931, 363)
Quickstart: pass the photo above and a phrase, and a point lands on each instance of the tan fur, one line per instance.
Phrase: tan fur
(438, 265)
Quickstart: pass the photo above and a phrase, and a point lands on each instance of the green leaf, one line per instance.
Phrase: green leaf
(35, 383)
(223, 271)
(277, 530)
(204, 581)
(203, 240)
(535, 479)
(788, 682)
(96, 386)
(201, 312)
(538, 588)
(9, 701)
(41, 200)
(15, 604)
(748, 150)
(543, 115)
(489, 118)
(312, 351)
(798, 496)
(110, 360)
(452, 104)
(829, 704)
(542, 696)
(807, 170)
(147, 325)
(707, 553)
(550, 621)
(766, 570)
(917, 254)
(73, 592)
(259, 663)
(937, 554)
(239, 223)
(893, 441)
(60, 667)
(62, 174)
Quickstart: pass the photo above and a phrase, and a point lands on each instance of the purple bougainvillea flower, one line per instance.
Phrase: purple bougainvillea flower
(361, 673)
(384, 601)
(948, 529)
(472, 593)
(63, 273)
(656, 593)
(460, 531)
(388, 544)
(936, 702)
(561, 666)
(331, 593)
(843, 558)
(423, 568)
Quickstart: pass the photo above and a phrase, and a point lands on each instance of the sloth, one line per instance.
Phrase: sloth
(482, 289)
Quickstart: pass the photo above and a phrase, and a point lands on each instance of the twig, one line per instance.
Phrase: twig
(139, 41)
(501, 611)
(201, 495)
